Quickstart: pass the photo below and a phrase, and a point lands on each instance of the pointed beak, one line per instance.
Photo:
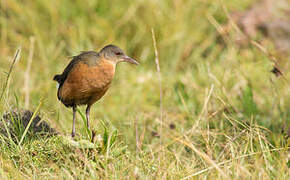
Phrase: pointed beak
(130, 60)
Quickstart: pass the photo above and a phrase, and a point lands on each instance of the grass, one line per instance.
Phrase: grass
(223, 111)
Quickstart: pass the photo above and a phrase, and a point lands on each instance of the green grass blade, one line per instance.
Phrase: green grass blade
(28, 125)
(85, 123)
(9, 73)
(8, 132)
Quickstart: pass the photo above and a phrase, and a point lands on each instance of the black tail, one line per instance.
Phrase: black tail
(58, 78)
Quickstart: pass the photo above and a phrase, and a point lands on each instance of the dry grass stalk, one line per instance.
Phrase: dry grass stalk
(26, 75)
(204, 108)
(203, 156)
(231, 160)
(137, 135)
(159, 78)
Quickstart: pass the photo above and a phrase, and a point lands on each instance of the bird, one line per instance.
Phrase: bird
(87, 78)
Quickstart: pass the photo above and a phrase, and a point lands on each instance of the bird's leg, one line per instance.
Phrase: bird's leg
(73, 133)
(88, 116)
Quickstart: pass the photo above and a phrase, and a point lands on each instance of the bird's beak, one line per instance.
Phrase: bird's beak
(130, 60)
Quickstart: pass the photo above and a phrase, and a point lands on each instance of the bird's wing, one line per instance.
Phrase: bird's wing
(75, 60)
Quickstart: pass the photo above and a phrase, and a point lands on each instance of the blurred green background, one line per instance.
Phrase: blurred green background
(194, 57)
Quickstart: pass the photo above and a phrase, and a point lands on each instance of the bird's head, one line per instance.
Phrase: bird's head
(116, 55)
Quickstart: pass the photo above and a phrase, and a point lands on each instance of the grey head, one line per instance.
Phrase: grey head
(116, 54)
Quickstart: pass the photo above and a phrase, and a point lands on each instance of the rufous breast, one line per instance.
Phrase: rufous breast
(85, 84)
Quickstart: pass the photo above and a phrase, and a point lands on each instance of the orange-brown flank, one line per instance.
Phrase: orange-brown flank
(86, 84)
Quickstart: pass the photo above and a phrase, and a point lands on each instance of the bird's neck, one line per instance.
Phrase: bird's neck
(107, 69)
(108, 64)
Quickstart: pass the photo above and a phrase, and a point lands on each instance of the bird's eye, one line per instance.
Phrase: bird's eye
(118, 53)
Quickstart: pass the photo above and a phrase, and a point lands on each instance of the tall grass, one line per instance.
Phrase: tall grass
(223, 111)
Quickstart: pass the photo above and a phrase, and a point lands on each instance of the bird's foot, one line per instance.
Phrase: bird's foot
(73, 134)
